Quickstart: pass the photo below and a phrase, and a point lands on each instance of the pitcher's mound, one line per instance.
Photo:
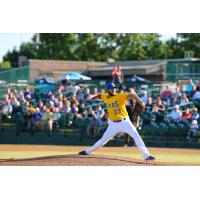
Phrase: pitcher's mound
(78, 160)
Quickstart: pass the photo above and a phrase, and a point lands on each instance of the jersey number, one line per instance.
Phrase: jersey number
(117, 111)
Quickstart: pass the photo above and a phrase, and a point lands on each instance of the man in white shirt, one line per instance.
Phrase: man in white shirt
(176, 114)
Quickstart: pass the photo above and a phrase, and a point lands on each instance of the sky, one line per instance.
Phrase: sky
(8, 41)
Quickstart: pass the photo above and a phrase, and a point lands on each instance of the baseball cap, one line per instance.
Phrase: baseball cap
(176, 107)
(110, 86)
(194, 122)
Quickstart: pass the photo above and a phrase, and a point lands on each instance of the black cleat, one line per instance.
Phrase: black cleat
(83, 153)
(150, 158)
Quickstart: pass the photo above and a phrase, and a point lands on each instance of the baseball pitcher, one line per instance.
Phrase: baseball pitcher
(118, 119)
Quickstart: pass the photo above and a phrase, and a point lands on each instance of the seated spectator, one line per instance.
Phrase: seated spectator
(81, 109)
(149, 104)
(27, 112)
(198, 83)
(89, 112)
(186, 114)
(103, 124)
(7, 109)
(74, 108)
(79, 95)
(67, 107)
(36, 118)
(47, 120)
(176, 94)
(51, 106)
(99, 112)
(54, 100)
(93, 127)
(41, 105)
(81, 83)
(56, 117)
(27, 94)
(72, 89)
(195, 114)
(184, 99)
(144, 96)
(196, 95)
(87, 93)
(166, 94)
(193, 131)
(160, 105)
(95, 90)
(189, 87)
(176, 114)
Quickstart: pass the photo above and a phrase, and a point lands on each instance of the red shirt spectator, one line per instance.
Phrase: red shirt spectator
(187, 114)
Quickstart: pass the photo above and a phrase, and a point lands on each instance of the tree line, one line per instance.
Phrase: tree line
(104, 46)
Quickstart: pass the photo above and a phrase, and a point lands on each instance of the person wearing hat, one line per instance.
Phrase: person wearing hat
(119, 121)
(193, 131)
(175, 114)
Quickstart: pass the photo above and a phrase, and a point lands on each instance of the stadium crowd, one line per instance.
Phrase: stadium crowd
(43, 111)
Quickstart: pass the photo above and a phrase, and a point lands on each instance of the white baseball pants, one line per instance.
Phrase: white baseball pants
(118, 127)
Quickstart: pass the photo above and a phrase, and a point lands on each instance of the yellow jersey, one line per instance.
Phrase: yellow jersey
(116, 105)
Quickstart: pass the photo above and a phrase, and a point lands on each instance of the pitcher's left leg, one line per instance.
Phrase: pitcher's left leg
(131, 130)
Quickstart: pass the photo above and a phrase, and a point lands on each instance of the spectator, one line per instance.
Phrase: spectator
(198, 83)
(87, 92)
(184, 99)
(99, 112)
(176, 114)
(93, 127)
(193, 131)
(95, 90)
(79, 95)
(15, 104)
(189, 87)
(51, 106)
(74, 108)
(176, 94)
(144, 96)
(36, 117)
(6, 110)
(81, 109)
(149, 104)
(81, 82)
(166, 94)
(196, 95)
(161, 107)
(27, 94)
(118, 77)
(187, 114)
(67, 107)
(195, 114)
(47, 120)
(103, 124)
(28, 111)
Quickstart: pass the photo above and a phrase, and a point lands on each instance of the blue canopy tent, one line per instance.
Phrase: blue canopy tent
(45, 80)
(45, 84)
(74, 76)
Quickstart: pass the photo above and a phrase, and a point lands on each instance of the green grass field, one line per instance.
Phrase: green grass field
(167, 155)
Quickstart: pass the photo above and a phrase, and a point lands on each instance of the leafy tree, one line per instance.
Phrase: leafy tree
(57, 46)
(190, 42)
(12, 57)
(5, 64)
(101, 46)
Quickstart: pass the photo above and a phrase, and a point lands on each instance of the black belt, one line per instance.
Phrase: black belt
(120, 120)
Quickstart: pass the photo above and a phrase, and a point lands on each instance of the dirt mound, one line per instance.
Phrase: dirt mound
(77, 160)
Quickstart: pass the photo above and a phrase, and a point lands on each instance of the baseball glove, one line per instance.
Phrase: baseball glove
(138, 108)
